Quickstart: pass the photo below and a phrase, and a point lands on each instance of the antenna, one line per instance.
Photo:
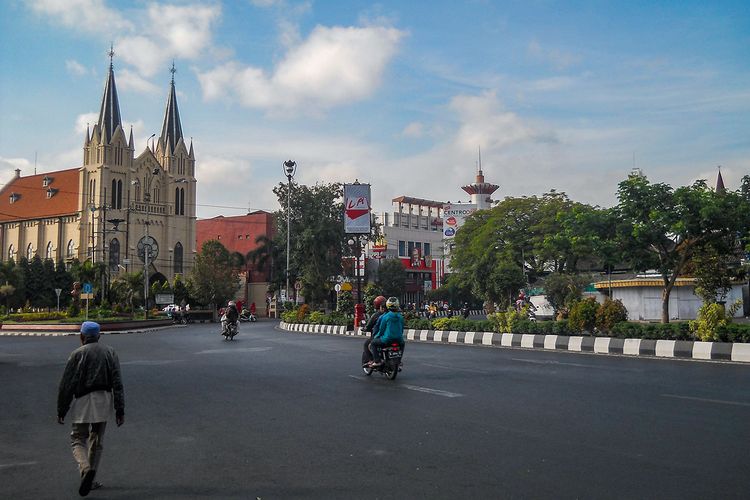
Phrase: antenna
(480, 158)
(34, 162)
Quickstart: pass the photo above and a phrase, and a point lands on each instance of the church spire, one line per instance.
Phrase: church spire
(720, 189)
(109, 114)
(171, 130)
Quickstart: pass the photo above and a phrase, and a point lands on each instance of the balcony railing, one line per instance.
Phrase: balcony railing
(152, 208)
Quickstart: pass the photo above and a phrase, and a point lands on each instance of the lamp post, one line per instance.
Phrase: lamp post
(356, 242)
(147, 241)
(290, 168)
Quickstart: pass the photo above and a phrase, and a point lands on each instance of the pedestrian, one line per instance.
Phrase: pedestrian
(92, 383)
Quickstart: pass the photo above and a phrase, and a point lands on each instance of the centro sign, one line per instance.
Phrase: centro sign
(453, 217)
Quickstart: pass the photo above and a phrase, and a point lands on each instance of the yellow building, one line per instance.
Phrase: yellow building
(130, 212)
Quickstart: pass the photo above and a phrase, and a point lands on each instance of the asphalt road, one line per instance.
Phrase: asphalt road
(286, 415)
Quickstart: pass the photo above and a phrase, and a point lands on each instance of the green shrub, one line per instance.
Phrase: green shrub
(711, 317)
(610, 313)
(317, 318)
(582, 315)
(40, 316)
(734, 332)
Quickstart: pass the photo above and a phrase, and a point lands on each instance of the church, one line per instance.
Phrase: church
(132, 213)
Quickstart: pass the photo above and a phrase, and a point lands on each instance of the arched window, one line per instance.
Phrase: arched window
(155, 197)
(48, 253)
(177, 201)
(182, 201)
(71, 250)
(113, 201)
(114, 254)
(137, 191)
(116, 194)
(30, 252)
(11, 252)
(178, 258)
(119, 195)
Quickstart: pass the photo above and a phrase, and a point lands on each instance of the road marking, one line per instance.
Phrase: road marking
(436, 392)
(706, 400)
(426, 390)
(19, 464)
(535, 362)
(239, 349)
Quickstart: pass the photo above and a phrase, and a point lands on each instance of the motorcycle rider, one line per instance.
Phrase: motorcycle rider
(379, 304)
(390, 329)
(230, 316)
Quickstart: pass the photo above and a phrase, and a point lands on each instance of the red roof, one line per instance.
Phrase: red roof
(30, 198)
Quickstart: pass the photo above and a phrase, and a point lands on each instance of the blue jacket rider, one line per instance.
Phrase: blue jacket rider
(390, 328)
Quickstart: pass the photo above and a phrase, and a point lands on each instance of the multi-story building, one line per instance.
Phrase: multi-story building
(240, 234)
(130, 212)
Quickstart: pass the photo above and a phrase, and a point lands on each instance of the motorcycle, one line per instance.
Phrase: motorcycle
(247, 316)
(178, 317)
(390, 357)
(230, 330)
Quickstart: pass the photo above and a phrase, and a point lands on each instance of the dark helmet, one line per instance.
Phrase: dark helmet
(378, 301)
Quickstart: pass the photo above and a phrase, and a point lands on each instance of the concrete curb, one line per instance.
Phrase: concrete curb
(27, 333)
(682, 349)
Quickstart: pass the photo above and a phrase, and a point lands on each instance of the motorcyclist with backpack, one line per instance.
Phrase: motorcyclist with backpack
(230, 316)
(379, 305)
(390, 328)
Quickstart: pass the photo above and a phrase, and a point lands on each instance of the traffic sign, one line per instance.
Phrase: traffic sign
(298, 285)
(346, 286)
(88, 288)
(337, 288)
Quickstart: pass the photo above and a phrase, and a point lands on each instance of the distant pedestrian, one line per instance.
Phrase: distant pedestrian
(92, 382)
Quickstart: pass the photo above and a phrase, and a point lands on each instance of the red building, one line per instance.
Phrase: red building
(240, 234)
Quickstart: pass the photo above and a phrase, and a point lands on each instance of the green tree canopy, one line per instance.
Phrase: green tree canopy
(212, 278)
(391, 278)
(664, 227)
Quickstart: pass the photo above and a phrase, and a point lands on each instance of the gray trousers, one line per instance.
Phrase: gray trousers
(87, 443)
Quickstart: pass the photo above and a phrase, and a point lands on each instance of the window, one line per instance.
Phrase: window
(70, 253)
(418, 246)
(30, 252)
(401, 248)
(179, 201)
(178, 258)
(427, 249)
(137, 191)
(114, 254)
(46, 180)
(11, 252)
(116, 202)
(48, 253)
(14, 197)
(156, 194)
(411, 249)
(182, 201)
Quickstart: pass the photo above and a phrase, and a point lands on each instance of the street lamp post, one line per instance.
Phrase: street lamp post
(290, 168)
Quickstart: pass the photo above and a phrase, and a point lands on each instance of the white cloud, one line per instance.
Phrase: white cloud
(84, 121)
(86, 15)
(75, 68)
(8, 167)
(414, 129)
(333, 66)
(129, 80)
(485, 123)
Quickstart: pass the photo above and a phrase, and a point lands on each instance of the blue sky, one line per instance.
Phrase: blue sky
(558, 95)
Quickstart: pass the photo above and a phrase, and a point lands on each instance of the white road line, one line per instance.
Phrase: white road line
(435, 392)
(706, 400)
(19, 464)
(535, 362)
(453, 368)
(426, 390)
(150, 362)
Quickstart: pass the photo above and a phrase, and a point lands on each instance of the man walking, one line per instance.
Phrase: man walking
(92, 377)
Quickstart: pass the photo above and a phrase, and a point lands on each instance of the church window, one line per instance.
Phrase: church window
(114, 254)
(178, 258)
(71, 249)
(137, 186)
(156, 194)
(48, 253)
(30, 251)
(116, 194)
(46, 181)
(11, 252)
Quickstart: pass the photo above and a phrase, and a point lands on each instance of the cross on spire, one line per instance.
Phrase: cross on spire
(173, 71)
(111, 52)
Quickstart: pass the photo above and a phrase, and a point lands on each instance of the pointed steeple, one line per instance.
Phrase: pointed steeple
(720, 189)
(109, 114)
(88, 136)
(171, 130)
(130, 142)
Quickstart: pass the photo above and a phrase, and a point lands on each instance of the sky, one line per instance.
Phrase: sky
(567, 95)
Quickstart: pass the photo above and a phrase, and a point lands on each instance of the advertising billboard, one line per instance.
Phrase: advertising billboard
(357, 208)
(453, 217)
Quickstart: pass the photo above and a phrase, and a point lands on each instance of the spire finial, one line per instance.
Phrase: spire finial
(173, 71)
(111, 53)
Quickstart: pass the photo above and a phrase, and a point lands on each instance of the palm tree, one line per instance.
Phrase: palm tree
(267, 255)
(127, 287)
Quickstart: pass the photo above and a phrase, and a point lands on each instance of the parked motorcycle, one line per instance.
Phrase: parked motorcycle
(247, 316)
(230, 331)
(390, 357)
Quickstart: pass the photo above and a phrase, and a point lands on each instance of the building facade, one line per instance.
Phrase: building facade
(129, 212)
(240, 234)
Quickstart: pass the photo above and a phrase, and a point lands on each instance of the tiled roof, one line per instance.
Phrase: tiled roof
(32, 201)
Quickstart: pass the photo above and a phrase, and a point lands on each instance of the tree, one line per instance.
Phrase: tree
(563, 290)
(371, 291)
(269, 254)
(317, 236)
(391, 277)
(665, 226)
(127, 289)
(212, 277)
